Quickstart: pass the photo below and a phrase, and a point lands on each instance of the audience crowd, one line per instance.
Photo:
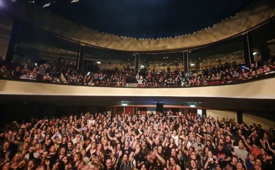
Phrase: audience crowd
(227, 73)
(128, 142)
(46, 72)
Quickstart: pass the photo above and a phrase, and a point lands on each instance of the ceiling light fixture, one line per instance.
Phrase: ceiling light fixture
(124, 103)
(74, 1)
(46, 5)
(192, 105)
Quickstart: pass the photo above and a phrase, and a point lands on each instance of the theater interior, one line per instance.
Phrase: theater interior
(135, 58)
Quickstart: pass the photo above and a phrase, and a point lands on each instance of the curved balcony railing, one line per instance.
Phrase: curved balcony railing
(57, 74)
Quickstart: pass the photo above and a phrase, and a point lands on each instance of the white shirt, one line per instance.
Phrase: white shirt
(176, 139)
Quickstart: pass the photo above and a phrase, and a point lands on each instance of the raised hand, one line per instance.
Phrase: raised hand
(47, 162)
(120, 153)
(263, 141)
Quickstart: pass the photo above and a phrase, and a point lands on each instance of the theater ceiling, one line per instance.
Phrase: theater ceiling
(146, 26)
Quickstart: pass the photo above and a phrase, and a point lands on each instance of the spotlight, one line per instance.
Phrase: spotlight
(74, 1)
(46, 5)
(98, 62)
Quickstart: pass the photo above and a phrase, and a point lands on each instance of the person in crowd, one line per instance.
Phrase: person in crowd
(240, 151)
(172, 165)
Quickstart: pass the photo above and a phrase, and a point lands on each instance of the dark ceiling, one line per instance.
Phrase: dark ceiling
(146, 18)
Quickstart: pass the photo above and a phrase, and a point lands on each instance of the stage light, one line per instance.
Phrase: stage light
(74, 1)
(254, 53)
(98, 62)
(46, 5)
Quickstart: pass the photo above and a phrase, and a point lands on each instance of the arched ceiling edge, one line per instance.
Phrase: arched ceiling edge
(251, 17)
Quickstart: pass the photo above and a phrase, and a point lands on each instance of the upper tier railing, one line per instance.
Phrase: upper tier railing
(51, 72)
